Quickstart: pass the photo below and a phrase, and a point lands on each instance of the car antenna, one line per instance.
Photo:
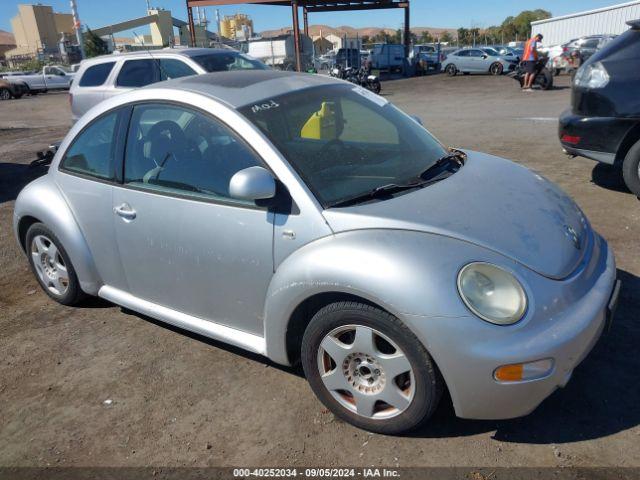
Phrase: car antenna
(162, 70)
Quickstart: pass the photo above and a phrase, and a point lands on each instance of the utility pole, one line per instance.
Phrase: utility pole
(78, 27)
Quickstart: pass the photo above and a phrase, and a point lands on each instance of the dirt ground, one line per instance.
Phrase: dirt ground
(177, 399)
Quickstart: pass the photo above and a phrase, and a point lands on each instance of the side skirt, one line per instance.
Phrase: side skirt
(248, 341)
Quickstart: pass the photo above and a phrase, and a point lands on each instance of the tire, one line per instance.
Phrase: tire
(544, 79)
(362, 377)
(47, 266)
(631, 169)
(5, 94)
(376, 87)
(496, 69)
(451, 70)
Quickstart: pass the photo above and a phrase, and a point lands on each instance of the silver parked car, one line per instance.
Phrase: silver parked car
(307, 219)
(108, 75)
(477, 60)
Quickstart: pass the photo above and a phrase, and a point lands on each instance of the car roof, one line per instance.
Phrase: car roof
(245, 87)
(185, 52)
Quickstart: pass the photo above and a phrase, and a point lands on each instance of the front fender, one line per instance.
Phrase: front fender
(410, 274)
(42, 200)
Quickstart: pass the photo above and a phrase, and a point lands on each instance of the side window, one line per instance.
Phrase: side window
(476, 53)
(172, 68)
(590, 43)
(182, 151)
(138, 73)
(96, 75)
(463, 53)
(93, 150)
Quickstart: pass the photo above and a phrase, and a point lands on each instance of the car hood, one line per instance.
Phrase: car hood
(490, 202)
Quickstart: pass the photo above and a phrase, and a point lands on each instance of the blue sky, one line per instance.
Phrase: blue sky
(425, 13)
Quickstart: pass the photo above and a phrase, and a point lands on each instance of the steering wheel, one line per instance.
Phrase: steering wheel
(333, 151)
(163, 146)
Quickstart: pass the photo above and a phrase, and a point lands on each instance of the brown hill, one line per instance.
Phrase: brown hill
(315, 30)
(6, 38)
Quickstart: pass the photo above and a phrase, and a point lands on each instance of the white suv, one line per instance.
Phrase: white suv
(102, 77)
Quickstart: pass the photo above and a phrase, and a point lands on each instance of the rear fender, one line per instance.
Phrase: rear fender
(42, 200)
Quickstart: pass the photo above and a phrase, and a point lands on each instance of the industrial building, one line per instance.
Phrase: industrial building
(236, 27)
(38, 31)
(607, 20)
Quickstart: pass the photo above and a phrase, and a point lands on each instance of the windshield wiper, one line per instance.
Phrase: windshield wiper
(456, 157)
(383, 190)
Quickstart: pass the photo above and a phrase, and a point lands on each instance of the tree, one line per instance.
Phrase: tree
(463, 36)
(446, 37)
(94, 45)
(426, 37)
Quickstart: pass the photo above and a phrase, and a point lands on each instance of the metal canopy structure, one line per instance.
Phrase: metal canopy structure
(309, 6)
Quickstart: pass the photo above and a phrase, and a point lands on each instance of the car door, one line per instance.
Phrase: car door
(56, 79)
(86, 175)
(477, 61)
(184, 242)
(463, 61)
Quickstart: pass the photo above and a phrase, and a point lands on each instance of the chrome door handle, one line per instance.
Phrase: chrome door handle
(125, 211)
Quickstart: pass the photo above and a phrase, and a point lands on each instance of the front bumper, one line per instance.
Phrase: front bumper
(599, 137)
(471, 353)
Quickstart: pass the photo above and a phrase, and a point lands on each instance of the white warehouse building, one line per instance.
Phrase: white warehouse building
(607, 20)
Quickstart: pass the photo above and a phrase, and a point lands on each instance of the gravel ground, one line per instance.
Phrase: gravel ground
(102, 386)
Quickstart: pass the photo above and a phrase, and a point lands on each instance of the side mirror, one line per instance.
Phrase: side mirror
(484, 56)
(417, 119)
(253, 183)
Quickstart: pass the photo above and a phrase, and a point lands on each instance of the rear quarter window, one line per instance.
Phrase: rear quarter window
(96, 75)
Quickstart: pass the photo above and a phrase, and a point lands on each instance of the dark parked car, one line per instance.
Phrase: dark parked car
(9, 89)
(604, 121)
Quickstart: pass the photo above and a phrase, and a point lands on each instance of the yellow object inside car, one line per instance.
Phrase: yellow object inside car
(322, 124)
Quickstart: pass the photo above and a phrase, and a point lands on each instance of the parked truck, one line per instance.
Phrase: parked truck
(52, 77)
(387, 56)
(279, 52)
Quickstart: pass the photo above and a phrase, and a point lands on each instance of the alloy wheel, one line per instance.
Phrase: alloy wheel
(366, 372)
(49, 265)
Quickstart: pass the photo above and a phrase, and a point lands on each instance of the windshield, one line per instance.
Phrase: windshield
(345, 141)
(222, 62)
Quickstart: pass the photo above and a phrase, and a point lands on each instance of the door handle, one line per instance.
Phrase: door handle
(125, 211)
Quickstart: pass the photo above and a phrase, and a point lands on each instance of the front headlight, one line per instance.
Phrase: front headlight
(492, 293)
(593, 75)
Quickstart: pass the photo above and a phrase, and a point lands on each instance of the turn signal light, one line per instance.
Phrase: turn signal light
(519, 372)
(572, 139)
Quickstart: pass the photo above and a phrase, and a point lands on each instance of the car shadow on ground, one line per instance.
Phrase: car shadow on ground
(601, 399)
(14, 176)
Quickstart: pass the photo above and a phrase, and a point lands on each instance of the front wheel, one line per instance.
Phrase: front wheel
(5, 94)
(51, 265)
(496, 69)
(375, 86)
(369, 369)
(631, 169)
(451, 70)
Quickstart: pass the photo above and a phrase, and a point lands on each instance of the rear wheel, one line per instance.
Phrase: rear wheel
(5, 94)
(451, 70)
(544, 79)
(496, 69)
(369, 369)
(631, 169)
(51, 265)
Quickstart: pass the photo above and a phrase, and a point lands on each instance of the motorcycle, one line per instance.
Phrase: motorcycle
(543, 76)
(358, 76)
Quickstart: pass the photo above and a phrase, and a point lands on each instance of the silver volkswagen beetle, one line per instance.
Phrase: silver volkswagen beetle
(309, 220)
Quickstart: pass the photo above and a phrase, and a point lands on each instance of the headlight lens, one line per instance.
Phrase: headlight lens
(492, 293)
(592, 75)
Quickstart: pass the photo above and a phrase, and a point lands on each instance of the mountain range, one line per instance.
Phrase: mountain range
(315, 30)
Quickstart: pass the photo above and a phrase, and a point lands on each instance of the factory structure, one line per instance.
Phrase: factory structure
(601, 21)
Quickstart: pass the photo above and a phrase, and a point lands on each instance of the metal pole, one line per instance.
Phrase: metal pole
(407, 31)
(305, 19)
(296, 34)
(192, 27)
(78, 27)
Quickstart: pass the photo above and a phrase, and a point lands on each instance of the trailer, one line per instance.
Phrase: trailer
(279, 52)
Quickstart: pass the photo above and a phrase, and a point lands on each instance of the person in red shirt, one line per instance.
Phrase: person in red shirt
(529, 59)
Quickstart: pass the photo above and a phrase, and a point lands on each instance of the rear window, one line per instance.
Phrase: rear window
(96, 75)
(138, 73)
(222, 62)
